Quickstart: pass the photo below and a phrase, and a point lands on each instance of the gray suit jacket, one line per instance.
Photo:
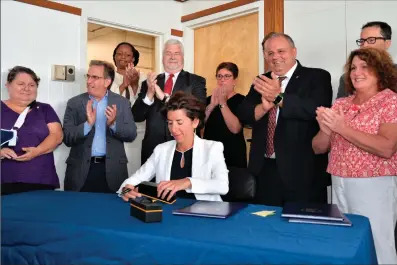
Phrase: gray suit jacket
(79, 160)
(341, 90)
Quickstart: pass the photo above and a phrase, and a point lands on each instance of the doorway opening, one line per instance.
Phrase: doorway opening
(102, 40)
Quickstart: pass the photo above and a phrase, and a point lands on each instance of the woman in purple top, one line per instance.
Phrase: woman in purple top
(30, 164)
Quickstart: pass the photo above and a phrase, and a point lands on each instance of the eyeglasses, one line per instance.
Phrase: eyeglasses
(226, 77)
(370, 40)
(87, 76)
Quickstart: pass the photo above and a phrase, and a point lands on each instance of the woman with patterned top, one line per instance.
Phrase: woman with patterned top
(361, 133)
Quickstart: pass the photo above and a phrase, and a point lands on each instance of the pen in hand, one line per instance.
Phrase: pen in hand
(121, 194)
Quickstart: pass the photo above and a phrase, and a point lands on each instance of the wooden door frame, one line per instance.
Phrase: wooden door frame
(191, 25)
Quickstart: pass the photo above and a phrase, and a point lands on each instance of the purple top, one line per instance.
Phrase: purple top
(41, 169)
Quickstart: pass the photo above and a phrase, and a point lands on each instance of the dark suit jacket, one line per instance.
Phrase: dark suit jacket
(79, 160)
(297, 164)
(156, 127)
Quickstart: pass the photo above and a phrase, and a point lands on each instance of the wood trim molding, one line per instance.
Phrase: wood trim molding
(217, 9)
(274, 18)
(53, 5)
(176, 33)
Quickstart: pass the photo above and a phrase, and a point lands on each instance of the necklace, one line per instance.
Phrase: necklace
(182, 162)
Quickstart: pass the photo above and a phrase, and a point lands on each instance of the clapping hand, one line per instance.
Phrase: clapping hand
(334, 120)
(111, 114)
(151, 85)
(91, 113)
(221, 95)
(320, 119)
(268, 88)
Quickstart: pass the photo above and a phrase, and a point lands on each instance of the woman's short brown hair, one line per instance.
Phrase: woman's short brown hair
(193, 107)
(12, 74)
(378, 61)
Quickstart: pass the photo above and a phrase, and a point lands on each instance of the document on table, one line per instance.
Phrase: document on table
(265, 213)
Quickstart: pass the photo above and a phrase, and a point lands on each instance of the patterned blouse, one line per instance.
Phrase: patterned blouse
(348, 160)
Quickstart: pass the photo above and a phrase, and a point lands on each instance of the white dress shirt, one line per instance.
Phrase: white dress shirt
(118, 80)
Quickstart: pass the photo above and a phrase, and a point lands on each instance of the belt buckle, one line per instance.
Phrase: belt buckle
(97, 161)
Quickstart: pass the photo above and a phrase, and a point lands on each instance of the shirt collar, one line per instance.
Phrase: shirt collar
(175, 75)
(291, 71)
(105, 97)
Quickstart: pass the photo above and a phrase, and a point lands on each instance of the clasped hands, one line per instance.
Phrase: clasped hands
(110, 113)
(269, 88)
(30, 153)
(153, 88)
(219, 97)
(131, 76)
(164, 188)
(330, 120)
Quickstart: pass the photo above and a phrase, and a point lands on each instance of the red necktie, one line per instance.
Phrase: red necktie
(271, 126)
(168, 84)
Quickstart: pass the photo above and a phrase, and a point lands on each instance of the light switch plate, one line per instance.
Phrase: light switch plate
(58, 72)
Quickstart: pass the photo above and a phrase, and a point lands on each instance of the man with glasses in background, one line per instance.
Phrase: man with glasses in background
(96, 125)
(375, 34)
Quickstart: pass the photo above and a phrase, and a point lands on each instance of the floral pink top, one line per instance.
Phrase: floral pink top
(346, 159)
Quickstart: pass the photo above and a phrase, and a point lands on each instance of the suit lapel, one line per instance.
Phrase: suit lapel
(180, 82)
(295, 79)
(169, 157)
(112, 100)
(84, 101)
(197, 159)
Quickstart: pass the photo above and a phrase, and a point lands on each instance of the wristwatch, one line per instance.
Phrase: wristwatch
(221, 106)
(278, 99)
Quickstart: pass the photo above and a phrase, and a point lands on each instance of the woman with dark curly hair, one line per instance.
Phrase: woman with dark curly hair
(187, 166)
(361, 133)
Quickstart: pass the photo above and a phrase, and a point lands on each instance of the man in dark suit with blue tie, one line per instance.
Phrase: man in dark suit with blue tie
(281, 107)
(156, 91)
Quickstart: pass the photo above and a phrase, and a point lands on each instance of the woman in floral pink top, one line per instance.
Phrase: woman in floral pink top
(360, 131)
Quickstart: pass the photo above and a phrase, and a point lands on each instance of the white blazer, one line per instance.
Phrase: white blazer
(209, 172)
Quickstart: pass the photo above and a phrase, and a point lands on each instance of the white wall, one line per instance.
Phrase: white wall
(155, 16)
(193, 6)
(360, 12)
(148, 17)
(28, 39)
(325, 31)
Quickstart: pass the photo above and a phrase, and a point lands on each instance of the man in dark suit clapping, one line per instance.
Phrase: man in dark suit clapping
(156, 91)
(281, 107)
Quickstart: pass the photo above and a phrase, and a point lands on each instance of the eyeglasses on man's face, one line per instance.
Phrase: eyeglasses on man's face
(369, 40)
(226, 77)
(93, 77)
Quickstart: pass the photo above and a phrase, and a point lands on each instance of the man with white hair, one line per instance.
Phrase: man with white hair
(157, 89)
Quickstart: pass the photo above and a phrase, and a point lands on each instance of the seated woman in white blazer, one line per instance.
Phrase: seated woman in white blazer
(188, 166)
